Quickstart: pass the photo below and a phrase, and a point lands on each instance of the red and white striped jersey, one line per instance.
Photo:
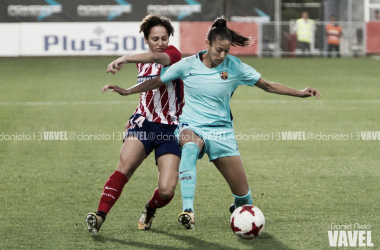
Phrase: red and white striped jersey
(163, 105)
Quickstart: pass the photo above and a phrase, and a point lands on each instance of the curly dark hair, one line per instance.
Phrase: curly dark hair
(151, 21)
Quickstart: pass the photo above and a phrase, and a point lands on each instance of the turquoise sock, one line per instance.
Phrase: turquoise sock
(188, 174)
(242, 200)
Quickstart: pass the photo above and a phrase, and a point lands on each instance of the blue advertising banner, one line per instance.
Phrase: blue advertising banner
(107, 10)
(249, 10)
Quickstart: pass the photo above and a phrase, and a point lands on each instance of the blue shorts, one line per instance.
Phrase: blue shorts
(219, 141)
(153, 135)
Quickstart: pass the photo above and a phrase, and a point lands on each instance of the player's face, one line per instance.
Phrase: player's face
(218, 51)
(158, 39)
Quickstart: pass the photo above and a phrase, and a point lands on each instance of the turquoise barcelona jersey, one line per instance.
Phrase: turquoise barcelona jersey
(208, 91)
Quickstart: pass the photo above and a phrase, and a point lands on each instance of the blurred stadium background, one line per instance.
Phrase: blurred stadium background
(107, 27)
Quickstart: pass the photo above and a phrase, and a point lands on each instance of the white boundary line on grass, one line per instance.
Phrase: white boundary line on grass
(135, 102)
(67, 103)
(305, 101)
(376, 57)
(233, 101)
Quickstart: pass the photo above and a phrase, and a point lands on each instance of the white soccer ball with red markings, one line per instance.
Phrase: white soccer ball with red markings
(247, 221)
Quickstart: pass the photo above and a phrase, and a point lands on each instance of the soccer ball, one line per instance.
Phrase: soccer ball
(247, 221)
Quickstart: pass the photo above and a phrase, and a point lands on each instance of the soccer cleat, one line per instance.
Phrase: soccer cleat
(187, 219)
(146, 218)
(232, 208)
(94, 221)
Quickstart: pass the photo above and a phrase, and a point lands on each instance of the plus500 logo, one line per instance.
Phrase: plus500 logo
(109, 43)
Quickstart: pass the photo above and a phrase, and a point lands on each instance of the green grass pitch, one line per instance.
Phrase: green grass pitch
(302, 186)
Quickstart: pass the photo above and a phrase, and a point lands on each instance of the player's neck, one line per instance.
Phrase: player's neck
(207, 61)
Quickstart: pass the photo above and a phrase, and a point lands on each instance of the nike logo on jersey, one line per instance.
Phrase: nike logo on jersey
(184, 171)
(106, 188)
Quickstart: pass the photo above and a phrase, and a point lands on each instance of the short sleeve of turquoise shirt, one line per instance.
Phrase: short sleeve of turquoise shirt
(175, 71)
(248, 75)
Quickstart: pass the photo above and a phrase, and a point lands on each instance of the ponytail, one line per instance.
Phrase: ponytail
(219, 30)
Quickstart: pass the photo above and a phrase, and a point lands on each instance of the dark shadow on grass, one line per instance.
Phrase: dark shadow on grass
(134, 243)
(265, 241)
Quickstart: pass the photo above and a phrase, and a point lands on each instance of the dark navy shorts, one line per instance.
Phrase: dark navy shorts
(153, 135)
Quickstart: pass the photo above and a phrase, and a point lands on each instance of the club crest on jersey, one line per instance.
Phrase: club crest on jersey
(224, 75)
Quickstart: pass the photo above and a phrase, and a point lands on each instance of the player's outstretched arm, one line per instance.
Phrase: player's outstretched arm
(116, 65)
(147, 57)
(138, 88)
(280, 89)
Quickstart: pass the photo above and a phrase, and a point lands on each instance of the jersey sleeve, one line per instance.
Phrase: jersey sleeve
(249, 76)
(173, 53)
(169, 73)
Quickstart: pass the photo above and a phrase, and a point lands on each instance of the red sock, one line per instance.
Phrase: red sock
(112, 191)
(157, 202)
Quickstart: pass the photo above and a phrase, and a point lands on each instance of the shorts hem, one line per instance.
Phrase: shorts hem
(224, 155)
(168, 152)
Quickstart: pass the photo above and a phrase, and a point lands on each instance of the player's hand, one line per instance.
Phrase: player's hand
(309, 91)
(116, 65)
(115, 88)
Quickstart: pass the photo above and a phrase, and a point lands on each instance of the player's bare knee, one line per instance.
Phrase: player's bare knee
(165, 192)
(126, 167)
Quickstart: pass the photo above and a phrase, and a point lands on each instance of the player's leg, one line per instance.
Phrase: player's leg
(168, 165)
(132, 155)
(167, 180)
(191, 145)
(167, 155)
(232, 169)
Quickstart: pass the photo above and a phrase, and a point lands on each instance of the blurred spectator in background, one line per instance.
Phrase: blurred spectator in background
(377, 15)
(305, 29)
(334, 32)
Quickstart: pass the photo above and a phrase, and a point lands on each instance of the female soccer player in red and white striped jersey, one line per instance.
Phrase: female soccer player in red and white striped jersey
(157, 114)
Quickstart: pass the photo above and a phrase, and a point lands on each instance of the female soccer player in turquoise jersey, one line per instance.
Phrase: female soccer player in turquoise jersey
(210, 78)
